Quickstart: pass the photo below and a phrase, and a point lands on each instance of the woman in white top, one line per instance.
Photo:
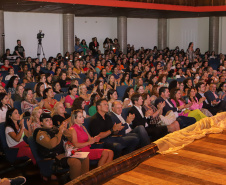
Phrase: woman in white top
(4, 106)
(11, 73)
(15, 132)
(127, 97)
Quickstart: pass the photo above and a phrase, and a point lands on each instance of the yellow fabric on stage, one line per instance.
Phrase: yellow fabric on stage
(181, 138)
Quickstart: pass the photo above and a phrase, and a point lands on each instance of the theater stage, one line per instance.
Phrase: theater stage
(201, 162)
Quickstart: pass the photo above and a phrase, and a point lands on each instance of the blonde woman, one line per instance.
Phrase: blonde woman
(35, 118)
(83, 93)
(59, 114)
(82, 140)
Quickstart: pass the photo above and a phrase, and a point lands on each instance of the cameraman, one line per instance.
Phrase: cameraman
(19, 50)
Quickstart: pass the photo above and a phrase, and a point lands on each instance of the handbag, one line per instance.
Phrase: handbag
(69, 148)
(168, 119)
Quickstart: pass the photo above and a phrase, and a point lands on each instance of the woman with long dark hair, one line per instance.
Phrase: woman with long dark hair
(14, 134)
(126, 80)
(197, 104)
(72, 95)
(4, 106)
(12, 84)
(176, 98)
(127, 97)
(92, 106)
(49, 102)
(80, 103)
(39, 90)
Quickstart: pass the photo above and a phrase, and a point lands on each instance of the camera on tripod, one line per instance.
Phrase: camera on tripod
(40, 35)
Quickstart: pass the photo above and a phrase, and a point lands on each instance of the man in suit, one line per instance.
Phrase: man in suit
(164, 96)
(213, 98)
(138, 131)
(142, 117)
(101, 124)
(201, 89)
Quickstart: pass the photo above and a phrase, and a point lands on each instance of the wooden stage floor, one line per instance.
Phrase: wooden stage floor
(201, 162)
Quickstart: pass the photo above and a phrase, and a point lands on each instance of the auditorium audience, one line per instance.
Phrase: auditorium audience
(183, 72)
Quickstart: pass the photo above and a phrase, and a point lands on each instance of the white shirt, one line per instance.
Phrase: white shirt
(9, 76)
(141, 113)
(202, 94)
(123, 122)
(10, 141)
(3, 114)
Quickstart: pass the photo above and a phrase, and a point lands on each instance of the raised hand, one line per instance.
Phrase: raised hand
(149, 113)
(62, 99)
(21, 124)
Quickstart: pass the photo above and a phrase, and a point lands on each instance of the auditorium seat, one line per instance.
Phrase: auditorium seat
(45, 165)
(17, 105)
(30, 85)
(59, 96)
(121, 90)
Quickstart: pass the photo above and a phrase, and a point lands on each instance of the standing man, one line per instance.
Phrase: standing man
(101, 124)
(19, 50)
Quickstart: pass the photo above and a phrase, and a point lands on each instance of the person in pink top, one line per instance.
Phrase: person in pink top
(197, 104)
(72, 95)
(81, 139)
(176, 99)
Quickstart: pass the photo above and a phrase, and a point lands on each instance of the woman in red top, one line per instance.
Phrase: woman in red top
(49, 102)
(6, 66)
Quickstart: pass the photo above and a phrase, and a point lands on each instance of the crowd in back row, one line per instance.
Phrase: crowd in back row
(164, 91)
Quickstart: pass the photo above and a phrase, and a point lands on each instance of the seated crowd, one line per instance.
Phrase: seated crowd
(129, 100)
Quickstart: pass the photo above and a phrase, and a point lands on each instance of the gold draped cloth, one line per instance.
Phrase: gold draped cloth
(177, 140)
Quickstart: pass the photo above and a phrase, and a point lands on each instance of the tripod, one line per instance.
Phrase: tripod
(40, 49)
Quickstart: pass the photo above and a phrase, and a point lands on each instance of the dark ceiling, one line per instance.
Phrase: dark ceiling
(99, 11)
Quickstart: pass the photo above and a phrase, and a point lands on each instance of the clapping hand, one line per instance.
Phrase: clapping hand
(149, 113)
(21, 124)
(92, 140)
(97, 138)
(29, 123)
(130, 118)
(62, 127)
